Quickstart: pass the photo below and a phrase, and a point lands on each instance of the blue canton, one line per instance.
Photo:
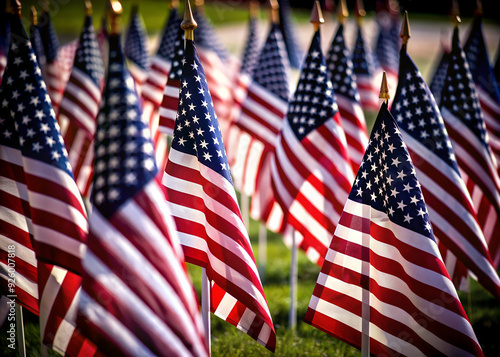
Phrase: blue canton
(478, 59)
(314, 100)
(124, 154)
(386, 179)
(206, 35)
(177, 56)
(459, 94)
(437, 81)
(168, 39)
(135, 47)
(251, 51)
(288, 29)
(417, 113)
(88, 56)
(362, 57)
(271, 71)
(387, 45)
(340, 67)
(49, 37)
(197, 130)
(27, 120)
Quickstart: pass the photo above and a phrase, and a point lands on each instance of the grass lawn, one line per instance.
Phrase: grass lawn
(482, 308)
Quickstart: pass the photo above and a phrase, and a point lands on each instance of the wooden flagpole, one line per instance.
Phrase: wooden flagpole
(21, 346)
(188, 25)
(262, 249)
(292, 315)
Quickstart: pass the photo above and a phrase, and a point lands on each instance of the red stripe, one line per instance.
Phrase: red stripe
(256, 97)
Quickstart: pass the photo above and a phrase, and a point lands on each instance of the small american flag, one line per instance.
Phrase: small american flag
(203, 202)
(488, 88)
(341, 71)
(170, 102)
(311, 171)
(37, 44)
(368, 73)
(439, 76)
(136, 48)
(461, 110)
(80, 105)
(136, 297)
(450, 207)
(383, 276)
(41, 211)
(152, 90)
(288, 30)
(251, 51)
(259, 123)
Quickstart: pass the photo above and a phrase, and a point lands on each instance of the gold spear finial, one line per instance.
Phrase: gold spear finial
(188, 24)
(13, 7)
(275, 11)
(174, 4)
(254, 8)
(405, 29)
(316, 16)
(455, 12)
(342, 12)
(114, 12)
(384, 89)
(360, 11)
(33, 16)
(88, 7)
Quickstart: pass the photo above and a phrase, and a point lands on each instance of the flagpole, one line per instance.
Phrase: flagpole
(262, 249)
(188, 25)
(20, 331)
(245, 209)
(292, 315)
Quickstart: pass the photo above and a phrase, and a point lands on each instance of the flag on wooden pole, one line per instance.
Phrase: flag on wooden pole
(383, 255)
(203, 202)
(136, 297)
(136, 48)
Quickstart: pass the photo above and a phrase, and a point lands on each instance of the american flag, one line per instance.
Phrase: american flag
(383, 276)
(488, 88)
(340, 69)
(451, 212)
(136, 48)
(4, 40)
(203, 202)
(80, 105)
(136, 297)
(102, 39)
(387, 46)
(37, 44)
(368, 73)
(311, 171)
(170, 102)
(288, 30)
(259, 122)
(249, 60)
(42, 214)
(152, 91)
(52, 72)
(216, 60)
(439, 75)
(462, 114)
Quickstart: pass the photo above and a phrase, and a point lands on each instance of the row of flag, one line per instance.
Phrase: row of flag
(103, 215)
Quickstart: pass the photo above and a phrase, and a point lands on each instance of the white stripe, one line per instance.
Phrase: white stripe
(270, 98)
(18, 220)
(89, 85)
(270, 117)
(22, 283)
(75, 150)
(76, 111)
(14, 188)
(254, 126)
(27, 255)
(253, 160)
(11, 155)
(49, 295)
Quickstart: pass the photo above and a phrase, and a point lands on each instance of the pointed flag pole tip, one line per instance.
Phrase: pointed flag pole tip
(316, 16)
(114, 12)
(275, 13)
(457, 20)
(342, 13)
(88, 8)
(33, 16)
(188, 23)
(405, 29)
(360, 11)
(384, 89)
(13, 7)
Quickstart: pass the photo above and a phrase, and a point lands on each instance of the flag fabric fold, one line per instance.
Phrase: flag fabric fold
(383, 276)
(80, 105)
(341, 69)
(461, 111)
(487, 86)
(311, 171)
(451, 211)
(136, 296)
(43, 217)
(203, 202)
